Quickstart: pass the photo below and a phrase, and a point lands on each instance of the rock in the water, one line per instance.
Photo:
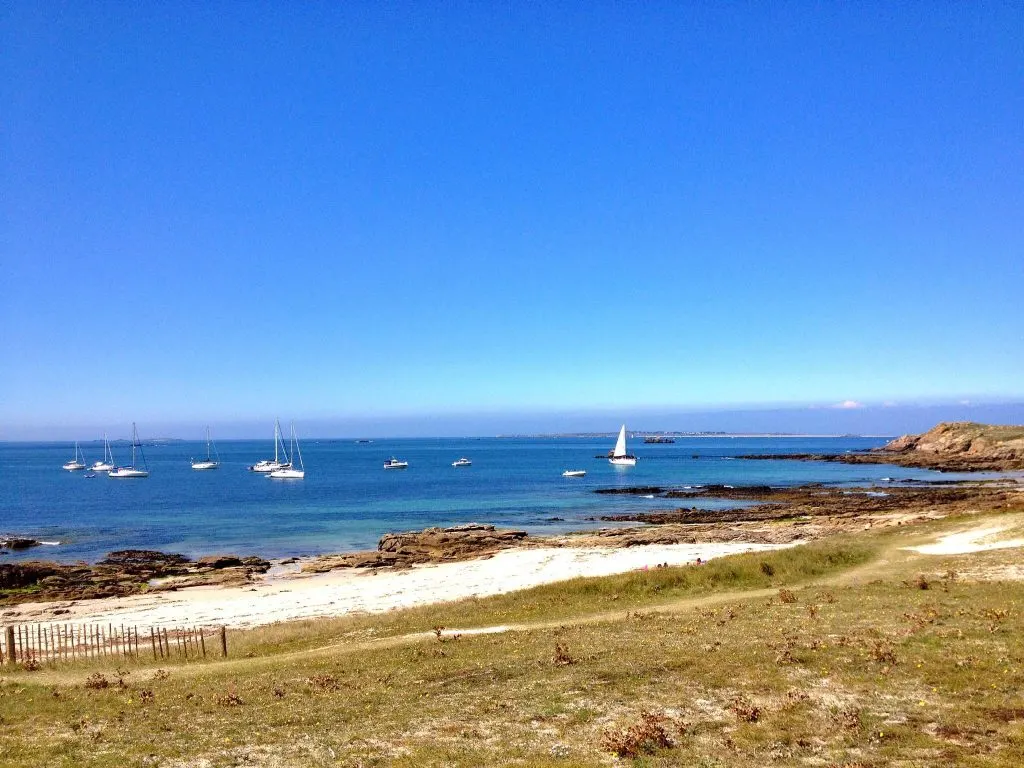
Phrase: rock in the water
(18, 542)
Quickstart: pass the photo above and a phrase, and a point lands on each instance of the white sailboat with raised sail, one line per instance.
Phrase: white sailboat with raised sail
(289, 472)
(107, 462)
(77, 461)
(209, 462)
(619, 456)
(133, 469)
(268, 465)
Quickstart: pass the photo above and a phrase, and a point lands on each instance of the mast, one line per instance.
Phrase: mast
(295, 447)
(135, 442)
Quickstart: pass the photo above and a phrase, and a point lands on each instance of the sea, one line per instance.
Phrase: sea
(348, 500)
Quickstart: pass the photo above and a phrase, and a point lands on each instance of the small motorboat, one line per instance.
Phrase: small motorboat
(463, 462)
(89, 475)
(394, 463)
(575, 473)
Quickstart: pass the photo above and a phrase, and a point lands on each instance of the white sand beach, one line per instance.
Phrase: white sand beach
(284, 596)
(966, 542)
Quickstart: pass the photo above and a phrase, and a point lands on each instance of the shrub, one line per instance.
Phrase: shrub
(883, 652)
(230, 699)
(562, 657)
(786, 596)
(744, 710)
(97, 681)
(646, 736)
(323, 682)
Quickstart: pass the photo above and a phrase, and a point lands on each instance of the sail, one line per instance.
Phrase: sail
(620, 444)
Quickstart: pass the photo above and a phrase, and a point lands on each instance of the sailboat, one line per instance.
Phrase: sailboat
(619, 456)
(271, 466)
(107, 462)
(77, 462)
(209, 462)
(132, 470)
(289, 472)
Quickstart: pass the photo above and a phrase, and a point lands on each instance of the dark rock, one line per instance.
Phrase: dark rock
(258, 564)
(144, 559)
(17, 542)
(21, 575)
(219, 561)
(642, 490)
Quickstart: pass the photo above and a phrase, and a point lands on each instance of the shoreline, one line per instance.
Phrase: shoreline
(295, 595)
(440, 565)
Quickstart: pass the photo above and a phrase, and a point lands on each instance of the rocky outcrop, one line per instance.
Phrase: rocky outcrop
(124, 572)
(432, 545)
(957, 446)
(964, 441)
(827, 508)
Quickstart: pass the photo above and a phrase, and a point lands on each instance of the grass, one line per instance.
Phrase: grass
(679, 666)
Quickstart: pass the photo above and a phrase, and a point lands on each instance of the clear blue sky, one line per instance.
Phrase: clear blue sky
(410, 212)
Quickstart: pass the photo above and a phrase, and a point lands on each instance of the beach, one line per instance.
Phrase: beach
(285, 594)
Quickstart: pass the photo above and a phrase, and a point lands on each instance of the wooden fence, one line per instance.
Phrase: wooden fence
(38, 643)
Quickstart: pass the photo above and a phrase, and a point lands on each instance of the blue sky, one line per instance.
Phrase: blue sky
(431, 215)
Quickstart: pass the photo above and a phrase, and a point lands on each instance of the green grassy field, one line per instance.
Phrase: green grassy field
(849, 652)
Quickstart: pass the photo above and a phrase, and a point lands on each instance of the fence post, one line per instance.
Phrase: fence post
(224, 641)
(10, 645)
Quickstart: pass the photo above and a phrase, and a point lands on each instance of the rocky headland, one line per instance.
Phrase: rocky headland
(956, 446)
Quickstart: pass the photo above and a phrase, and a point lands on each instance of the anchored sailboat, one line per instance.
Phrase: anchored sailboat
(289, 472)
(271, 466)
(77, 462)
(132, 470)
(619, 456)
(107, 462)
(209, 462)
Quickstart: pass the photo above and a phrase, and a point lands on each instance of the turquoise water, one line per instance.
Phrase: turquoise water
(347, 499)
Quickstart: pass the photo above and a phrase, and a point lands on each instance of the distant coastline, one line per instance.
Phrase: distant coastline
(643, 433)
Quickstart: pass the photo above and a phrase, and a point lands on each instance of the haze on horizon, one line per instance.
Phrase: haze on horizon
(404, 220)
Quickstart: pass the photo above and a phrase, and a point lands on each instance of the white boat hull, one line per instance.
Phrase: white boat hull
(205, 465)
(73, 466)
(575, 473)
(127, 472)
(268, 466)
(623, 461)
(99, 466)
(462, 463)
(400, 465)
(288, 474)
